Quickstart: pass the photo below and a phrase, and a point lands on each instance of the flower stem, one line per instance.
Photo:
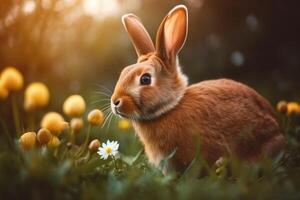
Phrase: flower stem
(16, 116)
(87, 137)
(72, 136)
(31, 121)
(83, 147)
(10, 140)
(115, 163)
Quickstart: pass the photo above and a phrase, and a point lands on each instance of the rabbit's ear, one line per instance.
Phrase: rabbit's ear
(139, 36)
(171, 35)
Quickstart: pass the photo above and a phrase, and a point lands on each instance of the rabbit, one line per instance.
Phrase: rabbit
(228, 117)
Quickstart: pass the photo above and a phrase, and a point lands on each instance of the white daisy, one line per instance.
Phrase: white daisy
(108, 149)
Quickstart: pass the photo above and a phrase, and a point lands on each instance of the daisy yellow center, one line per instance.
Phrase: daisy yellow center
(108, 150)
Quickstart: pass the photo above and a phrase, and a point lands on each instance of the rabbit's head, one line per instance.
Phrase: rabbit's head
(154, 84)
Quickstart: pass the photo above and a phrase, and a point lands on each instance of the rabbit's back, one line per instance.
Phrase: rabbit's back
(232, 118)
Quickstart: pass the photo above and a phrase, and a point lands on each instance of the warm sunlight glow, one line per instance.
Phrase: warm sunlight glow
(29, 6)
(101, 8)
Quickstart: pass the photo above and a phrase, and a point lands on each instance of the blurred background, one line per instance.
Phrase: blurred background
(73, 45)
(80, 47)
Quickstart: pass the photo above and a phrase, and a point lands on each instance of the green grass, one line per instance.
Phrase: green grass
(56, 174)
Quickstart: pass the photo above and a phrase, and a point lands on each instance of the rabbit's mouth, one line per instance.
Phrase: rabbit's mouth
(126, 116)
(121, 114)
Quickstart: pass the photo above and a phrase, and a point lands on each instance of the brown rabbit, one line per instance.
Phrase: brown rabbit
(229, 117)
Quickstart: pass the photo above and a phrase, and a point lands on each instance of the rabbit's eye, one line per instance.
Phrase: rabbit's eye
(145, 79)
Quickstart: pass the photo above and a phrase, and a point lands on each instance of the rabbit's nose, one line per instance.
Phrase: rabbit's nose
(117, 102)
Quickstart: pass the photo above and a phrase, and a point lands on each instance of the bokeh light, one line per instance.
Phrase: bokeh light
(29, 6)
(101, 8)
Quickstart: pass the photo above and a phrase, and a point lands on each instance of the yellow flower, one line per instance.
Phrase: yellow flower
(36, 96)
(124, 124)
(94, 146)
(95, 117)
(44, 136)
(76, 124)
(282, 107)
(74, 106)
(12, 79)
(3, 91)
(54, 142)
(65, 126)
(293, 108)
(54, 122)
(28, 140)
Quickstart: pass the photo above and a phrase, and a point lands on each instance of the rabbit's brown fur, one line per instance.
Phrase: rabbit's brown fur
(229, 118)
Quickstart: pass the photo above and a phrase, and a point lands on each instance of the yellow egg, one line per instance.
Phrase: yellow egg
(95, 117)
(74, 106)
(54, 122)
(28, 140)
(12, 79)
(36, 96)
